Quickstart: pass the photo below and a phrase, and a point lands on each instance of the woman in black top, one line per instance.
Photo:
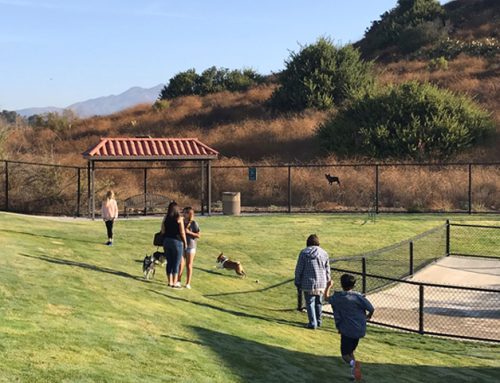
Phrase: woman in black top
(174, 243)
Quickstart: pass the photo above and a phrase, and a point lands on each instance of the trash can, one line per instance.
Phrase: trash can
(231, 203)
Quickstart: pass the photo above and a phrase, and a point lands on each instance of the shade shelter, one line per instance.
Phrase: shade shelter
(148, 149)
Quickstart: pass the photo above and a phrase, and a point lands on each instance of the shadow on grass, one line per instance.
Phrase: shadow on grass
(250, 291)
(49, 236)
(219, 273)
(251, 361)
(237, 313)
(87, 266)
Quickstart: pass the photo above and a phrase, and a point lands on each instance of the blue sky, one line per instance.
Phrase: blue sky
(57, 52)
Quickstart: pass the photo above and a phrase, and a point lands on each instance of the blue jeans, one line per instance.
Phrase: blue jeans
(314, 307)
(174, 250)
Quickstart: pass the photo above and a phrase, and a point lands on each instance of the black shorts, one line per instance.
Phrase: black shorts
(348, 345)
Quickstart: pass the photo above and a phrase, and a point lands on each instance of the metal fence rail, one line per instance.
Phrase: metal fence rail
(428, 308)
(474, 240)
(364, 187)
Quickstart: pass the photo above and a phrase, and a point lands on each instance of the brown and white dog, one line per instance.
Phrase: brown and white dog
(224, 262)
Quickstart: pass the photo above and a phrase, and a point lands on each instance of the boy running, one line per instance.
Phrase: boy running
(192, 236)
(350, 310)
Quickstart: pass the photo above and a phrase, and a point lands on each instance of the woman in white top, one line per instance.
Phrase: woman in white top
(109, 214)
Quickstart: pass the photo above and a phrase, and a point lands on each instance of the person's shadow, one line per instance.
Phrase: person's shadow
(252, 361)
(83, 265)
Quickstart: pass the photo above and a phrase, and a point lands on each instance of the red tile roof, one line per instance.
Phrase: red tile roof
(160, 149)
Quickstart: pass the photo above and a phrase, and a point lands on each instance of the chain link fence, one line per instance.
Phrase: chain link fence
(369, 188)
(474, 240)
(426, 308)
(402, 301)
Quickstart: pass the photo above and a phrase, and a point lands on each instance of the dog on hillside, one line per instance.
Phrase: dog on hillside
(224, 262)
(331, 179)
(150, 261)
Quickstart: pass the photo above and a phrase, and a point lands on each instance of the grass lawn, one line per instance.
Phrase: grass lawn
(74, 310)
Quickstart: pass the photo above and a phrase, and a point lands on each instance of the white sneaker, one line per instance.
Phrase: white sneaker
(178, 285)
(188, 286)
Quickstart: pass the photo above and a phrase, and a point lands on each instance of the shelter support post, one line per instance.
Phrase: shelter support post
(88, 188)
(92, 177)
(202, 194)
(209, 187)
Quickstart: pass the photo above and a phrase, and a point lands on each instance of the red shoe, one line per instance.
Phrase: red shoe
(357, 371)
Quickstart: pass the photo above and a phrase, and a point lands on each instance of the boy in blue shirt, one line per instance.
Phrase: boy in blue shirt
(351, 311)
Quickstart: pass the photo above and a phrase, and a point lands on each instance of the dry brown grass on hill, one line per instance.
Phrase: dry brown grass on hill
(237, 124)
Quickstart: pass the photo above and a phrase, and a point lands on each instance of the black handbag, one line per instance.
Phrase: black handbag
(158, 239)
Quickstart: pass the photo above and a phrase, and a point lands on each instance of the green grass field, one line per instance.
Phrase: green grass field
(74, 310)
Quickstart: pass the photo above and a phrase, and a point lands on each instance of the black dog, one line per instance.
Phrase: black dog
(331, 179)
(149, 263)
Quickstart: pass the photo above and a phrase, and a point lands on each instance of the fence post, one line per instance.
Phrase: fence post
(470, 188)
(376, 187)
(421, 309)
(363, 277)
(78, 193)
(6, 185)
(447, 237)
(299, 299)
(289, 189)
(145, 190)
(411, 257)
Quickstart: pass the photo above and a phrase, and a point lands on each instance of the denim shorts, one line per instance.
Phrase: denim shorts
(190, 251)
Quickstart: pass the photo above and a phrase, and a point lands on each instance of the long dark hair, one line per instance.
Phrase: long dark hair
(173, 211)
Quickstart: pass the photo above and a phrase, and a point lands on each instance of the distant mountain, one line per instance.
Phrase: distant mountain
(41, 110)
(102, 106)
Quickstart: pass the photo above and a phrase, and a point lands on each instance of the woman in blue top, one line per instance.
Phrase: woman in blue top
(174, 243)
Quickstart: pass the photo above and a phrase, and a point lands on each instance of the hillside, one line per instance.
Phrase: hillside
(239, 124)
(74, 310)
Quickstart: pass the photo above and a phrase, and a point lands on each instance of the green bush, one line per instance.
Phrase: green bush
(211, 80)
(409, 25)
(57, 122)
(408, 120)
(451, 48)
(322, 75)
(182, 84)
(439, 63)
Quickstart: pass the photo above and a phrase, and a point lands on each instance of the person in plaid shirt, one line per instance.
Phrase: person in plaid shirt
(312, 276)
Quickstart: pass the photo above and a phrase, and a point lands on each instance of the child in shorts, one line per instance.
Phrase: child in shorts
(192, 235)
(351, 311)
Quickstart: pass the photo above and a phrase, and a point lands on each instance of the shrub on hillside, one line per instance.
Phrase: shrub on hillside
(211, 80)
(57, 122)
(182, 84)
(439, 63)
(409, 25)
(322, 75)
(451, 48)
(407, 120)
